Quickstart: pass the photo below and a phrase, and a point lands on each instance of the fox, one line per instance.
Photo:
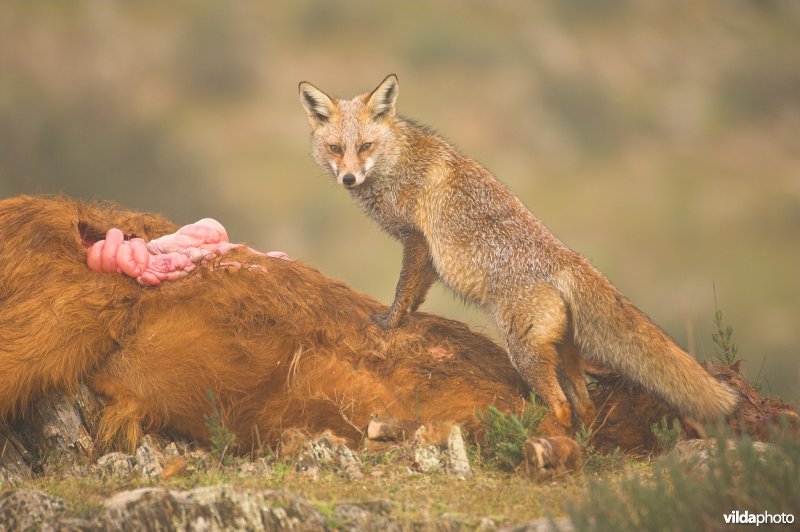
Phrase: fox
(461, 226)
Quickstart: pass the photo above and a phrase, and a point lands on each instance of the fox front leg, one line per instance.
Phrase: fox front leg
(417, 274)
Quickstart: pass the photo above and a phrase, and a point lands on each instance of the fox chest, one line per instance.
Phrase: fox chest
(391, 213)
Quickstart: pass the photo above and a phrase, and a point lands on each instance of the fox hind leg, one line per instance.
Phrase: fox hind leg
(535, 323)
(573, 382)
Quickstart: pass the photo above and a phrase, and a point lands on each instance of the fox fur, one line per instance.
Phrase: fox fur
(459, 225)
(286, 348)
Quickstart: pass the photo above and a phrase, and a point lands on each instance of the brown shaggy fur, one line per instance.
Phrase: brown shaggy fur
(289, 348)
(57, 318)
(286, 348)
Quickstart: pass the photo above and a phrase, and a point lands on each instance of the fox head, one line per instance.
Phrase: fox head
(353, 139)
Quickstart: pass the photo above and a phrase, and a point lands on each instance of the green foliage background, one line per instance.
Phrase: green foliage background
(660, 139)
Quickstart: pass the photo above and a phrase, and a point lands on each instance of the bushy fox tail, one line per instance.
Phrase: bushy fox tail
(612, 332)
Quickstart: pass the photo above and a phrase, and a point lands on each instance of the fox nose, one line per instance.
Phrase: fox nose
(348, 179)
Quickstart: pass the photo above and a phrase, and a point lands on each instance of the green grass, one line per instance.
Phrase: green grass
(415, 497)
(612, 493)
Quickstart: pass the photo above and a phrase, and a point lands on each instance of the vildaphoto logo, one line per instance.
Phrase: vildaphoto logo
(762, 518)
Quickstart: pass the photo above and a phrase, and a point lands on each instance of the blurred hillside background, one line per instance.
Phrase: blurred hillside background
(660, 139)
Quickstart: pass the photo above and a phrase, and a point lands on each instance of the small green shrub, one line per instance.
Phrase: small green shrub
(688, 496)
(221, 439)
(506, 433)
(727, 350)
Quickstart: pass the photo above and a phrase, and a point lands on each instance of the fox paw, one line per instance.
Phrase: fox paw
(384, 321)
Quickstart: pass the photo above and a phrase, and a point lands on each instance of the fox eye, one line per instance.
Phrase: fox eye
(365, 146)
(335, 148)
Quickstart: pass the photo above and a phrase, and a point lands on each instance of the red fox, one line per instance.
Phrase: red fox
(458, 224)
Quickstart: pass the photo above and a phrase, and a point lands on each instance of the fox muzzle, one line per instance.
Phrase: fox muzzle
(351, 179)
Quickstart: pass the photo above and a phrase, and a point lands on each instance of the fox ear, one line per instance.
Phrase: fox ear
(317, 104)
(381, 101)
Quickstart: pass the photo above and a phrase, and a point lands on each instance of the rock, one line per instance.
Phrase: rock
(544, 525)
(197, 460)
(457, 460)
(210, 508)
(326, 450)
(115, 464)
(149, 458)
(28, 509)
(696, 453)
(73, 524)
(370, 515)
(693, 453)
(258, 467)
(224, 507)
(452, 458)
(171, 450)
(427, 457)
(486, 525)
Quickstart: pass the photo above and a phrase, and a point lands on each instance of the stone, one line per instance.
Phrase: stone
(545, 525)
(457, 459)
(149, 458)
(115, 464)
(29, 509)
(222, 507)
(695, 453)
(257, 467)
(427, 457)
(326, 450)
(369, 515)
